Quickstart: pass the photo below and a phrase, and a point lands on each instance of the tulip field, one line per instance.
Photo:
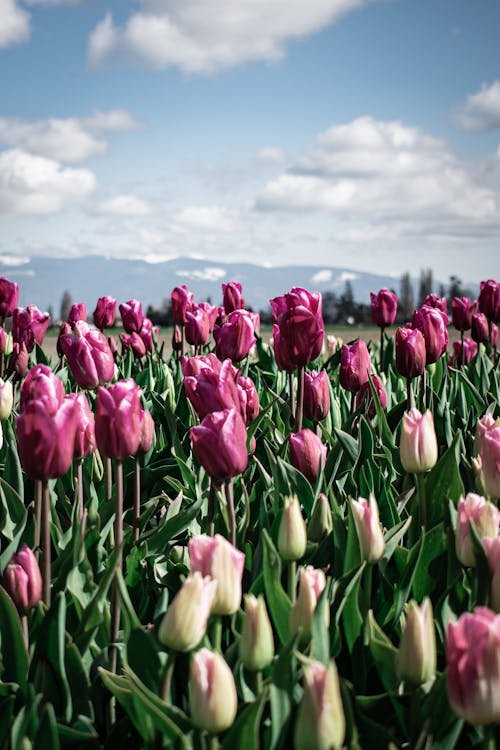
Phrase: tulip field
(246, 544)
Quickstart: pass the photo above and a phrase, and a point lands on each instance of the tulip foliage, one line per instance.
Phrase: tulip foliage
(247, 543)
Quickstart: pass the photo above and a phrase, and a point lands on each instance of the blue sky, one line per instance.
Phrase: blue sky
(356, 133)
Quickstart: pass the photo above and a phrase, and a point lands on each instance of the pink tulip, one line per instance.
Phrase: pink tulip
(213, 700)
(484, 425)
(147, 431)
(479, 328)
(473, 673)
(214, 556)
(78, 312)
(118, 419)
(307, 453)
(194, 365)
(182, 301)
(316, 395)
(489, 299)
(418, 446)
(213, 390)
(19, 359)
(355, 366)
(22, 580)
(461, 312)
(219, 444)
(410, 352)
(490, 463)
(366, 518)
(29, 326)
(438, 303)
(197, 327)
(185, 622)
(146, 334)
(105, 313)
(494, 335)
(384, 307)
(232, 297)
(298, 331)
(235, 337)
(9, 297)
(3, 340)
(492, 549)
(133, 342)
(85, 442)
(364, 395)
(89, 357)
(312, 581)
(463, 354)
(212, 311)
(132, 316)
(249, 399)
(431, 324)
(485, 517)
(42, 385)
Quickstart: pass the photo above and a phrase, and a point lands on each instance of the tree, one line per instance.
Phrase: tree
(66, 303)
(425, 287)
(406, 297)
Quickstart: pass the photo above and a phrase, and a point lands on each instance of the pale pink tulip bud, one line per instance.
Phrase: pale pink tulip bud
(214, 556)
(492, 549)
(486, 519)
(484, 425)
(292, 535)
(320, 720)
(256, 645)
(6, 399)
(490, 463)
(213, 701)
(185, 621)
(312, 581)
(366, 518)
(416, 658)
(22, 579)
(418, 447)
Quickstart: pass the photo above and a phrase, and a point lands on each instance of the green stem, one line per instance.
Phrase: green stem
(79, 488)
(216, 636)
(422, 500)
(46, 551)
(137, 500)
(367, 590)
(299, 411)
(109, 479)
(292, 575)
(211, 509)
(291, 393)
(213, 742)
(38, 512)
(381, 360)
(259, 682)
(115, 599)
(409, 395)
(229, 490)
(489, 741)
(166, 683)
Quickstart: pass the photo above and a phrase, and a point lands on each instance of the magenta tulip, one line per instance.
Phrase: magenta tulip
(182, 301)
(131, 314)
(213, 390)
(438, 303)
(461, 312)
(479, 328)
(147, 431)
(232, 297)
(364, 395)
(118, 419)
(494, 335)
(410, 352)
(212, 311)
(431, 324)
(105, 313)
(19, 359)
(489, 300)
(249, 399)
(22, 580)
(89, 357)
(235, 337)
(85, 442)
(29, 326)
(3, 340)
(307, 453)
(9, 297)
(384, 307)
(194, 365)
(146, 334)
(78, 312)
(133, 342)
(463, 352)
(316, 395)
(355, 366)
(298, 331)
(42, 385)
(197, 328)
(219, 444)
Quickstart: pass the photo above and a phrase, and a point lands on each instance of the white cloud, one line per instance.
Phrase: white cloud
(481, 111)
(273, 154)
(165, 33)
(322, 277)
(125, 205)
(369, 173)
(36, 185)
(203, 274)
(15, 25)
(13, 260)
(68, 140)
(206, 218)
(52, 2)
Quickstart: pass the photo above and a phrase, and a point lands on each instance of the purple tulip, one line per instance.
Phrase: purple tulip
(307, 453)
(489, 299)
(316, 395)
(9, 297)
(479, 328)
(133, 342)
(132, 317)
(147, 431)
(42, 385)
(355, 366)
(469, 348)
(197, 328)
(18, 362)
(85, 442)
(212, 311)
(182, 301)
(438, 303)
(146, 334)
(22, 580)
(3, 340)
(29, 326)
(105, 313)
(298, 331)
(89, 357)
(212, 390)
(219, 444)
(410, 352)
(235, 337)
(384, 307)
(118, 419)
(461, 312)
(494, 335)
(78, 312)
(364, 395)
(431, 324)
(232, 297)
(194, 365)
(249, 399)
(46, 441)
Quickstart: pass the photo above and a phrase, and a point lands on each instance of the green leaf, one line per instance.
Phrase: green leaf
(12, 473)
(13, 516)
(349, 444)
(444, 481)
(245, 731)
(278, 601)
(142, 657)
(383, 653)
(320, 644)
(47, 737)
(12, 647)
(158, 539)
(281, 693)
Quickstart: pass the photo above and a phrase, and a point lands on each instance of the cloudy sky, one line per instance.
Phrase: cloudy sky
(363, 134)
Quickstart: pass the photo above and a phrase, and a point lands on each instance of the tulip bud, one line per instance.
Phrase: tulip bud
(182, 301)
(185, 621)
(432, 325)
(19, 359)
(9, 296)
(197, 328)
(416, 658)
(256, 645)
(105, 313)
(410, 352)
(147, 431)
(316, 395)
(489, 299)
(132, 316)
(492, 549)
(490, 463)
(479, 328)
(298, 329)
(78, 311)
(177, 339)
(307, 453)
(212, 692)
(320, 720)
(311, 585)
(384, 307)
(85, 443)
(292, 535)
(439, 303)
(486, 519)
(22, 579)
(248, 398)
(321, 521)
(219, 444)
(118, 419)
(366, 518)
(232, 297)
(461, 312)
(235, 337)
(355, 366)
(6, 399)
(214, 556)
(418, 446)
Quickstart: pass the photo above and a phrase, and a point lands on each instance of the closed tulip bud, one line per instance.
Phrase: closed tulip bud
(307, 453)
(473, 673)
(494, 335)
(479, 328)
(366, 519)
(292, 535)
(219, 444)
(249, 399)
(384, 307)
(177, 339)
(232, 297)
(9, 296)
(182, 301)
(439, 303)
(490, 463)
(418, 447)
(410, 352)
(484, 425)
(432, 325)
(463, 352)
(416, 658)
(78, 311)
(29, 326)
(19, 359)
(211, 389)
(105, 313)
(135, 343)
(321, 520)
(147, 431)
(355, 366)
(118, 419)
(235, 337)
(197, 328)
(22, 580)
(311, 584)
(6, 399)
(42, 385)
(85, 442)
(88, 354)
(316, 395)
(213, 701)
(214, 556)
(492, 549)
(298, 332)
(364, 396)
(489, 299)
(484, 516)
(320, 720)
(185, 621)
(461, 312)
(132, 315)
(3, 340)
(256, 644)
